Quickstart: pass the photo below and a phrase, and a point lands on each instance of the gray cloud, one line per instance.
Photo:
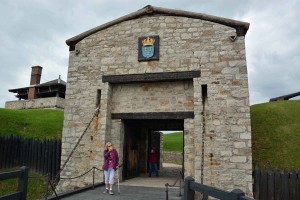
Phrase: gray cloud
(273, 47)
(33, 32)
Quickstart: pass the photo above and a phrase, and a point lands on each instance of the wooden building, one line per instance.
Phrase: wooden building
(39, 95)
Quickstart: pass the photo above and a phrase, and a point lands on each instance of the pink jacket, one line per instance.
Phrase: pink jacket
(115, 159)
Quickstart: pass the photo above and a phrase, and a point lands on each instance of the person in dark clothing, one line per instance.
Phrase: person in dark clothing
(110, 165)
(153, 160)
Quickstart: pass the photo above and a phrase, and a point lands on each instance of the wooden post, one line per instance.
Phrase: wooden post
(188, 193)
(237, 193)
(23, 182)
(54, 159)
(277, 185)
(293, 185)
(1, 152)
(285, 185)
(271, 185)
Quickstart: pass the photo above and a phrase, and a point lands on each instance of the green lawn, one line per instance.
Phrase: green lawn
(173, 141)
(36, 187)
(33, 123)
(276, 134)
(275, 131)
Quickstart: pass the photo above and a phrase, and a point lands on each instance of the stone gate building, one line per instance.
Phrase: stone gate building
(160, 69)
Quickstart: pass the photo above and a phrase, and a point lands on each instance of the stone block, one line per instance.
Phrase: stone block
(238, 159)
(239, 145)
(246, 136)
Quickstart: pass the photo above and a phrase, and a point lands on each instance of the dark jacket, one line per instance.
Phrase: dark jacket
(115, 159)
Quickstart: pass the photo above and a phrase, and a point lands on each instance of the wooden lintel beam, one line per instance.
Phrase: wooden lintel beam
(151, 77)
(154, 115)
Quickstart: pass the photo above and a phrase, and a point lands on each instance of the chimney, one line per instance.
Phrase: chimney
(36, 73)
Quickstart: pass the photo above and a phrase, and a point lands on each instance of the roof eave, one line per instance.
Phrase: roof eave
(241, 27)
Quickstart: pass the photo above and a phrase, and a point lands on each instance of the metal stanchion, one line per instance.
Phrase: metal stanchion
(167, 191)
(180, 188)
(93, 177)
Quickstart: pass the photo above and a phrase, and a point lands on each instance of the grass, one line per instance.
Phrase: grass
(275, 131)
(35, 123)
(173, 141)
(36, 187)
(276, 134)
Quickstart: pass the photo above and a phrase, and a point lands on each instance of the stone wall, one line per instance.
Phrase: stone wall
(149, 97)
(173, 157)
(222, 123)
(50, 102)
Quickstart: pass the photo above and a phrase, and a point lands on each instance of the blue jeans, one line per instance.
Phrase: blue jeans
(109, 176)
(153, 166)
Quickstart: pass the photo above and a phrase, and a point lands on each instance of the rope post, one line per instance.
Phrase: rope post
(93, 177)
(180, 188)
(167, 191)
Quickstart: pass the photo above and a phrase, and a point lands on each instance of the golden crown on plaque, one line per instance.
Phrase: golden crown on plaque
(148, 41)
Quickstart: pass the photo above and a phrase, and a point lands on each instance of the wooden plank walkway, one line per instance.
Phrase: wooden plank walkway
(127, 193)
(142, 187)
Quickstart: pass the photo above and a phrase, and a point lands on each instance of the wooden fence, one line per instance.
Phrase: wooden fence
(42, 156)
(22, 176)
(276, 185)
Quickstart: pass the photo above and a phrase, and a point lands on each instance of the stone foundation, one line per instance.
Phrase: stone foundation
(173, 157)
(50, 102)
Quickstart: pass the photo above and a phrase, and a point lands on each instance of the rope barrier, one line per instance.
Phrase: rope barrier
(180, 177)
(79, 140)
(66, 178)
(55, 181)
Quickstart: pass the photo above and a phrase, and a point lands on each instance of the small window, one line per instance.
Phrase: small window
(98, 100)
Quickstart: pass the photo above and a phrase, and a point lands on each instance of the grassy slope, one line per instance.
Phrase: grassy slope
(276, 134)
(275, 131)
(173, 141)
(36, 187)
(31, 123)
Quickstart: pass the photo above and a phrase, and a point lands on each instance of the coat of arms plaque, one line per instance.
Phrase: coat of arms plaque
(148, 48)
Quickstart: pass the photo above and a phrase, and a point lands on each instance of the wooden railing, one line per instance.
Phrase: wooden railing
(190, 186)
(22, 176)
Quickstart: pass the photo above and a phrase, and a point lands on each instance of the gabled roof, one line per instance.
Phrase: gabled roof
(49, 83)
(241, 27)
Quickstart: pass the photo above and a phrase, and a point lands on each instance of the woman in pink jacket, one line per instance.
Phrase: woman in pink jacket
(110, 165)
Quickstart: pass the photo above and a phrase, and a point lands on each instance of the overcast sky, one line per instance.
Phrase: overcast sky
(33, 32)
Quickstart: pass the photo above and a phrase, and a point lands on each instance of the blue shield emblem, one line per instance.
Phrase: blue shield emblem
(147, 51)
